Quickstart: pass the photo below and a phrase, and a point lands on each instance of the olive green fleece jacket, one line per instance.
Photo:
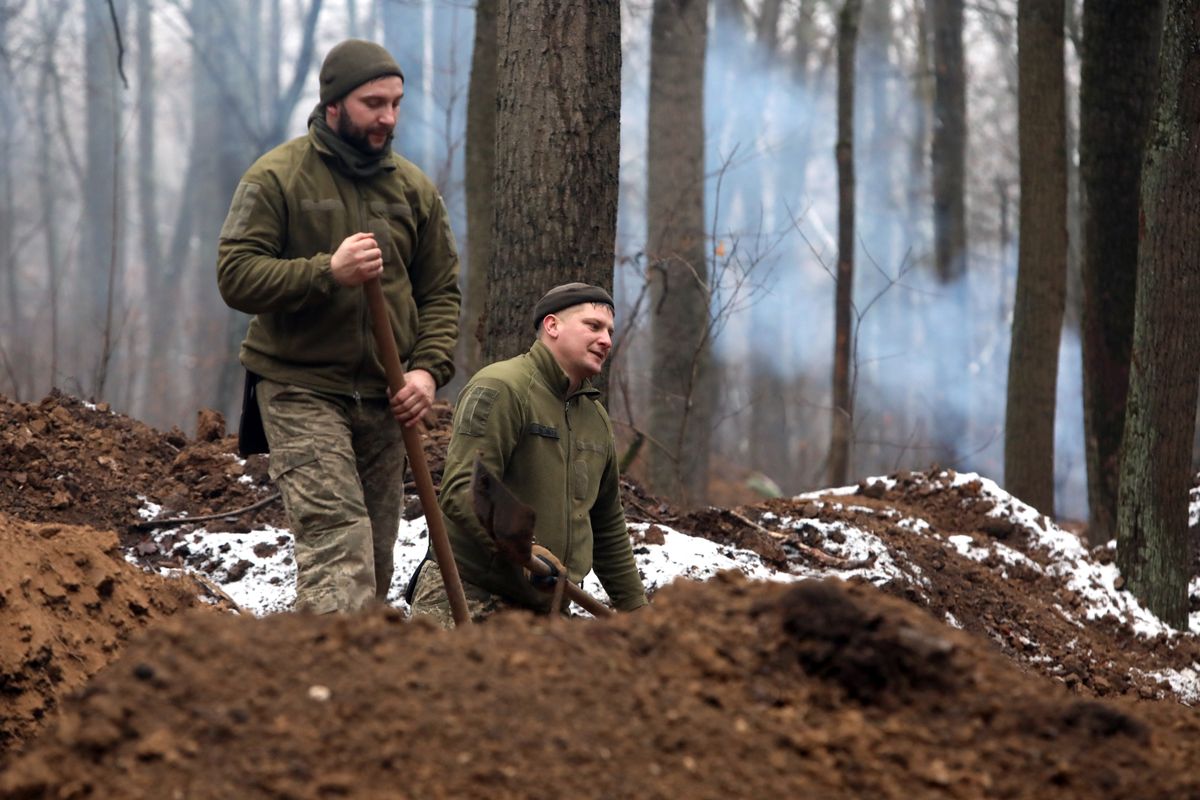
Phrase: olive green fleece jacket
(291, 211)
(555, 451)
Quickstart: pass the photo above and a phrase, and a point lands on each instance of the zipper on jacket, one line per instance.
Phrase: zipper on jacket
(569, 476)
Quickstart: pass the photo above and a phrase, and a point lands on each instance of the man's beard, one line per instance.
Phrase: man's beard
(356, 136)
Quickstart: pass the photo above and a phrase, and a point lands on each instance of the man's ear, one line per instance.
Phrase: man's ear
(550, 325)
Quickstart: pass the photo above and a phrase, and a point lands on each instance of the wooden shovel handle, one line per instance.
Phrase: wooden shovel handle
(576, 594)
(381, 327)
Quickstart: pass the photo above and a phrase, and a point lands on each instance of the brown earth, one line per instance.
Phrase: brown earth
(68, 603)
(726, 689)
(822, 689)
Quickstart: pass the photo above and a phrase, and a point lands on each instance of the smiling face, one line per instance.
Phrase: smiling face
(366, 118)
(580, 338)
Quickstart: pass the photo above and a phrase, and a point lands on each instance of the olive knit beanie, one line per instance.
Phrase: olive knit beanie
(567, 295)
(352, 63)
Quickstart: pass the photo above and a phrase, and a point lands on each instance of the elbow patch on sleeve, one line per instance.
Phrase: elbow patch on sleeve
(476, 408)
(237, 221)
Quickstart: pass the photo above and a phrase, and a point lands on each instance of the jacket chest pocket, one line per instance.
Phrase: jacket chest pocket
(394, 229)
(324, 217)
(587, 464)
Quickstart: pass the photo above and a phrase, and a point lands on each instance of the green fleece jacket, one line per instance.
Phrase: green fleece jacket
(291, 211)
(555, 451)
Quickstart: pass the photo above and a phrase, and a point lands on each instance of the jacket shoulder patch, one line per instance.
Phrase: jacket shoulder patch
(237, 221)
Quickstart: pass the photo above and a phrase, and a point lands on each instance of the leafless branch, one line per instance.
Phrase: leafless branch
(112, 13)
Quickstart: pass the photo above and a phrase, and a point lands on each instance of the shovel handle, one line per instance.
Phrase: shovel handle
(576, 594)
(381, 327)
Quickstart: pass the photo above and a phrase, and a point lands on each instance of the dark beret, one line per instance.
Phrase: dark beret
(567, 295)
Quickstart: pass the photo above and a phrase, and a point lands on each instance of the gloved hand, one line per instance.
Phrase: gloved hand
(546, 583)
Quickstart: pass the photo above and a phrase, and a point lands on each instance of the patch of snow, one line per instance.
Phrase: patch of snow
(1184, 683)
(914, 524)
(148, 510)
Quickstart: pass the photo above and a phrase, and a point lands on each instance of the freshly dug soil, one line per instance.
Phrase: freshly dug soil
(729, 689)
(726, 689)
(68, 603)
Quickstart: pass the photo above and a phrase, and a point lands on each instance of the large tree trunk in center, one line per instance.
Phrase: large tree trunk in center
(557, 129)
(681, 408)
(480, 174)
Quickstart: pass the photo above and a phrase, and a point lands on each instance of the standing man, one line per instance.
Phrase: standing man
(310, 222)
(536, 422)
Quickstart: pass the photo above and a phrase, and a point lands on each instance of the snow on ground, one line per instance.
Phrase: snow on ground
(257, 570)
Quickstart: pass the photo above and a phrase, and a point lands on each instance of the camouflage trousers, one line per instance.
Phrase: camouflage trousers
(431, 601)
(339, 464)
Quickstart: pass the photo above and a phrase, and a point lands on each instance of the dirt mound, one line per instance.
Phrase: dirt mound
(727, 689)
(68, 603)
(63, 460)
(991, 576)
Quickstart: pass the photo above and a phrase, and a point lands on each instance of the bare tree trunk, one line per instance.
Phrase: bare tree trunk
(1120, 60)
(922, 110)
(680, 293)
(480, 180)
(948, 160)
(766, 27)
(1042, 271)
(843, 410)
(1152, 518)
(101, 259)
(147, 193)
(557, 130)
(13, 329)
(949, 146)
(50, 22)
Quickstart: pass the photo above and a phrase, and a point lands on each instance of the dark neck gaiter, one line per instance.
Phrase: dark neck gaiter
(347, 158)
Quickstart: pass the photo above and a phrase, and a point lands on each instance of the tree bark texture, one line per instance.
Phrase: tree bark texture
(948, 155)
(557, 130)
(843, 345)
(1152, 539)
(1119, 65)
(1042, 267)
(682, 391)
(480, 175)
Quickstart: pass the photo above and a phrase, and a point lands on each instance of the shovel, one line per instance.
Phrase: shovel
(510, 524)
(386, 344)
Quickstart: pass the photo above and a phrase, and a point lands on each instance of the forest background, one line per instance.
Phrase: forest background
(125, 125)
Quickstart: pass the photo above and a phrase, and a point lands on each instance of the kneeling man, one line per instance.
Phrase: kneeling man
(536, 422)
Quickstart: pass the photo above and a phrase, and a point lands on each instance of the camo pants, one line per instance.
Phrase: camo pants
(339, 464)
(431, 601)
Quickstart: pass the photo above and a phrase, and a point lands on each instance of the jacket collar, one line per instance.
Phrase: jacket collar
(552, 374)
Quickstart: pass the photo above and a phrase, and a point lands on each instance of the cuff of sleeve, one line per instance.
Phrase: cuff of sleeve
(442, 372)
(324, 282)
(633, 603)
